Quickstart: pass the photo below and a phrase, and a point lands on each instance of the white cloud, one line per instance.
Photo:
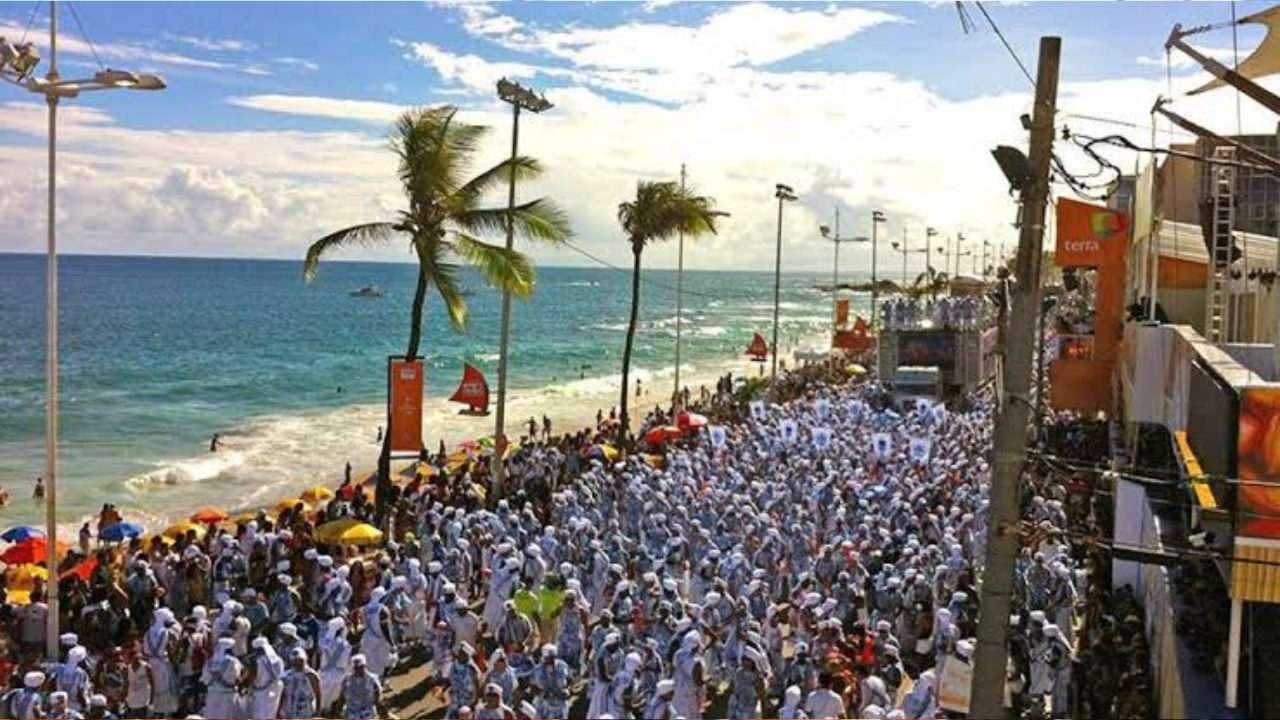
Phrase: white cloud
(362, 110)
(1181, 61)
(471, 71)
(297, 63)
(138, 57)
(213, 44)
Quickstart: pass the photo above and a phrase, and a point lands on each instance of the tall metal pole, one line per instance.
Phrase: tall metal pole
(678, 398)
(500, 429)
(876, 219)
(51, 358)
(904, 258)
(928, 261)
(835, 275)
(991, 654)
(777, 290)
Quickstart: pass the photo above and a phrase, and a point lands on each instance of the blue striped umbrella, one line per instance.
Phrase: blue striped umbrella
(22, 533)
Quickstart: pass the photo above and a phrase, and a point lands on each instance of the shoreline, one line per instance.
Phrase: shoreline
(269, 475)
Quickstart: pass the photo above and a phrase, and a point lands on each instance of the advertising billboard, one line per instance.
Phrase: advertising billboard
(405, 381)
(1258, 463)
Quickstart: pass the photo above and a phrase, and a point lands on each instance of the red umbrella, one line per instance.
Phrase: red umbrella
(661, 434)
(690, 421)
(209, 516)
(31, 551)
(83, 570)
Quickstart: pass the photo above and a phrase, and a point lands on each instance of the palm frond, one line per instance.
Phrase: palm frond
(540, 220)
(446, 282)
(354, 236)
(524, 167)
(662, 210)
(504, 269)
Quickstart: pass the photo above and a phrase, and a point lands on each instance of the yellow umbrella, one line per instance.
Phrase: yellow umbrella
(173, 532)
(317, 494)
(290, 503)
(348, 531)
(246, 517)
(19, 597)
(855, 369)
(23, 577)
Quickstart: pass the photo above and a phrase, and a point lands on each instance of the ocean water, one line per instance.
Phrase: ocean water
(157, 354)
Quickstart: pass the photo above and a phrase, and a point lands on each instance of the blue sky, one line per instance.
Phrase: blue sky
(273, 128)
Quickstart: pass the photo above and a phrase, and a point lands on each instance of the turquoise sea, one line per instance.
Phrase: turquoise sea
(157, 354)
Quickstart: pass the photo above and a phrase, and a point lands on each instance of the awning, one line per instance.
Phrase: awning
(1265, 60)
(1257, 579)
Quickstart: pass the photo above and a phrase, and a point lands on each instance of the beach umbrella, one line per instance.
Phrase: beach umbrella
(209, 516)
(174, 532)
(19, 597)
(291, 503)
(603, 452)
(24, 577)
(661, 434)
(469, 446)
(348, 531)
(31, 551)
(82, 571)
(120, 532)
(690, 421)
(21, 533)
(317, 494)
(855, 369)
(487, 442)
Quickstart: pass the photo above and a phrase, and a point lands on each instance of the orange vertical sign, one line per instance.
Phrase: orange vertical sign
(842, 313)
(404, 413)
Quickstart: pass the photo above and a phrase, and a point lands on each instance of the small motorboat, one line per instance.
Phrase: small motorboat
(370, 291)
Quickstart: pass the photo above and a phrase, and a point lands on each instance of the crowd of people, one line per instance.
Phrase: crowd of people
(818, 557)
(951, 313)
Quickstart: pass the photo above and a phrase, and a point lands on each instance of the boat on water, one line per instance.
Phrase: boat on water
(372, 291)
(473, 392)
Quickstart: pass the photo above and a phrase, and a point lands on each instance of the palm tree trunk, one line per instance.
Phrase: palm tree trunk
(624, 424)
(383, 490)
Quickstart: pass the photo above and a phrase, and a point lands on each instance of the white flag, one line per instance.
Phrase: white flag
(789, 431)
(920, 449)
(758, 410)
(882, 445)
(822, 438)
(719, 436)
(822, 407)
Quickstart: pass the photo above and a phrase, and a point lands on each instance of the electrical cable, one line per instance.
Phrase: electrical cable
(1013, 53)
(648, 281)
(85, 35)
(35, 8)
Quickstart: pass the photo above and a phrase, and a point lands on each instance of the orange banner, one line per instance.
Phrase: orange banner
(1258, 463)
(404, 412)
(842, 313)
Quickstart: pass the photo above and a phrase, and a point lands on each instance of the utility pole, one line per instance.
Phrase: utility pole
(518, 97)
(904, 259)
(877, 217)
(677, 400)
(929, 234)
(785, 194)
(1010, 446)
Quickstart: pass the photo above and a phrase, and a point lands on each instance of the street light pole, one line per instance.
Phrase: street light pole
(929, 234)
(877, 217)
(904, 259)
(518, 97)
(677, 397)
(17, 65)
(785, 194)
(51, 358)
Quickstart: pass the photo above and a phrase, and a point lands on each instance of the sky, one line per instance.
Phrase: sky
(273, 130)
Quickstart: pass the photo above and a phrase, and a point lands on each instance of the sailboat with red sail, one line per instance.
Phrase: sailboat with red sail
(473, 392)
(759, 349)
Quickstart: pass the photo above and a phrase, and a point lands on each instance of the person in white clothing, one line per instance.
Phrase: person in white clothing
(266, 680)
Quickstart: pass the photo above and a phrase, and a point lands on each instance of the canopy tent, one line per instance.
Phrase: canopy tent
(1265, 60)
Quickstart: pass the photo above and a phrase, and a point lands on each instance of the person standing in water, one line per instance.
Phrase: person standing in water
(215, 443)
(38, 493)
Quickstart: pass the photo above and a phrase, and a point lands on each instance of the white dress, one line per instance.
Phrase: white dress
(155, 647)
(374, 644)
(222, 700)
(335, 658)
(268, 681)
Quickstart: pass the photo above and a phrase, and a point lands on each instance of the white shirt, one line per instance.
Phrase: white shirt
(824, 704)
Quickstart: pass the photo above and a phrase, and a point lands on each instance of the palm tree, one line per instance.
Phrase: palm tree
(660, 211)
(929, 282)
(441, 221)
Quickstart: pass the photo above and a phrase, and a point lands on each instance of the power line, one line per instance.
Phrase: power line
(1013, 53)
(35, 8)
(648, 281)
(85, 35)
